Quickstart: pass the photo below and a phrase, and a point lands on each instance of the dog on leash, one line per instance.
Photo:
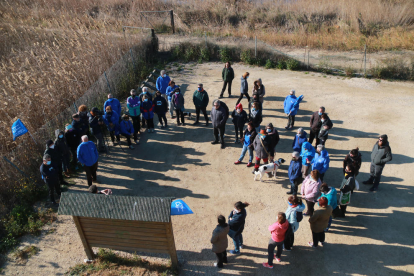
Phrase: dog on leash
(269, 168)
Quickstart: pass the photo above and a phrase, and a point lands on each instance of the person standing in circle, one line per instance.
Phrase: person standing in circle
(201, 100)
(278, 231)
(228, 75)
(219, 241)
(237, 219)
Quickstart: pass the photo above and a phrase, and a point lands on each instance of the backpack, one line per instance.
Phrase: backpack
(299, 216)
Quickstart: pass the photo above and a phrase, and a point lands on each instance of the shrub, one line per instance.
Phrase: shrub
(349, 71)
(204, 54)
(247, 56)
(281, 64)
(292, 64)
(225, 54)
(269, 64)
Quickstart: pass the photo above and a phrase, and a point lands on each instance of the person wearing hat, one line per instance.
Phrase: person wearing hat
(319, 222)
(380, 155)
(62, 147)
(219, 115)
(95, 122)
(134, 109)
(263, 148)
(73, 140)
(88, 157)
(56, 157)
(177, 100)
(227, 75)
(50, 172)
(83, 118)
(244, 88)
(127, 130)
(290, 109)
(201, 100)
(239, 120)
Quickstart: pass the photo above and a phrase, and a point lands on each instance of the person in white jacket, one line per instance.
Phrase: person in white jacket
(295, 206)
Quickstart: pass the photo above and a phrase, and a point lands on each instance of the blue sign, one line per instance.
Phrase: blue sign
(18, 129)
(179, 207)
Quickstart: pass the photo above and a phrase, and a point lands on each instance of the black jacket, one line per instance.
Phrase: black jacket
(274, 137)
(55, 154)
(160, 105)
(49, 173)
(94, 124)
(354, 162)
(381, 155)
(239, 120)
(73, 139)
(256, 120)
(237, 221)
(61, 145)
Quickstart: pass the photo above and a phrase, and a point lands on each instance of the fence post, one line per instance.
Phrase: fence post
(365, 60)
(308, 58)
(172, 21)
(205, 35)
(255, 46)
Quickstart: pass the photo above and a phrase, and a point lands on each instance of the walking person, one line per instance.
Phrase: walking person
(178, 105)
(201, 100)
(56, 157)
(244, 89)
(321, 161)
(293, 216)
(316, 124)
(331, 194)
(161, 108)
(300, 137)
(311, 191)
(134, 110)
(347, 189)
(325, 127)
(62, 147)
(147, 111)
(353, 158)
(295, 173)
(227, 75)
(319, 222)
(96, 122)
(127, 130)
(380, 155)
(255, 116)
(220, 242)
(239, 120)
(278, 231)
(307, 153)
(73, 140)
(49, 172)
(111, 119)
(88, 157)
(114, 104)
(162, 83)
(263, 149)
(248, 137)
(237, 220)
(219, 115)
(170, 92)
(290, 108)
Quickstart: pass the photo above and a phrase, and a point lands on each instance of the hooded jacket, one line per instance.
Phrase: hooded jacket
(239, 119)
(126, 127)
(331, 197)
(55, 154)
(244, 89)
(162, 84)
(249, 137)
(278, 231)
(200, 99)
(112, 118)
(94, 124)
(237, 221)
(256, 119)
(147, 109)
(160, 105)
(320, 219)
(60, 144)
(170, 91)
(134, 106)
(219, 238)
(260, 150)
(87, 153)
(289, 105)
(219, 116)
(321, 161)
(308, 152)
(295, 170)
(355, 161)
(79, 127)
(227, 74)
(72, 138)
(178, 101)
(274, 137)
(298, 141)
(381, 155)
(114, 104)
(291, 215)
(310, 188)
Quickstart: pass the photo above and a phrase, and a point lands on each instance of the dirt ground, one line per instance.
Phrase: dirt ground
(374, 238)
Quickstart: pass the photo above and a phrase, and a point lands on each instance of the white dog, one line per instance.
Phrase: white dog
(269, 168)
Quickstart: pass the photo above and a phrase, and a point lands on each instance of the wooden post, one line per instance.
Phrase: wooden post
(255, 46)
(365, 60)
(88, 249)
(171, 244)
(172, 21)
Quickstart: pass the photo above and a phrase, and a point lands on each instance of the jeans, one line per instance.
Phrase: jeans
(375, 174)
(237, 240)
(311, 207)
(65, 161)
(294, 186)
(221, 258)
(220, 130)
(74, 156)
(136, 121)
(241, 97)
(257, 129)
(150, 123)
(99, 138)
(321, 176)
(291, 121)
(224, 88)
(271, 250)
(171, 108)
(305, 171)
(243, 153)
(91, 173)
(53, 186)
(202, 109)
(179, 113)
(161, 116)
(128, 137)
(237, 129)
(329, 223)
(318, 237)
(314, 134)
(288, 243)
(112, 134)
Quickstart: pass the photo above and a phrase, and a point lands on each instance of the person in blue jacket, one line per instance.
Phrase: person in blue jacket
(49, 172)
(307, 153)
(114, 104)
(295, 173)
(236, 221)
(141, 98)
(111, 119)
(162, 83)
(300, 137)
(321, 161)
(331, 194)
(290, 109)
(127, 130)
(160, 108)
(88, 157)
(170, 91)
(147, 110)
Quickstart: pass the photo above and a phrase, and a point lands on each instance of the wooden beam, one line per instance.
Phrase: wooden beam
(171, 245)
(120, 222)
(86, 246)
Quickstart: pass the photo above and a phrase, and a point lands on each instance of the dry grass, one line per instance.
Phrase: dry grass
(22, 255)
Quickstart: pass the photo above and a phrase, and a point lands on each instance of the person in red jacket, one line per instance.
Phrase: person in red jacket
(278, 230)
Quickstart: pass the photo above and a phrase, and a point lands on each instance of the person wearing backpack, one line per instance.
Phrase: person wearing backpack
(294, 215)
(237, 219)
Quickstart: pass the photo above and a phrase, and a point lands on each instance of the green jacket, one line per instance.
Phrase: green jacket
(200, 99)
(227, 74)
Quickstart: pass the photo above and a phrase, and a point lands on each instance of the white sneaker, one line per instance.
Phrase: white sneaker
(215, 264)
(131, 147)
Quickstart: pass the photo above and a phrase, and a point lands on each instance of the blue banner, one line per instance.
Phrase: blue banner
(179, 207)
(18, 129)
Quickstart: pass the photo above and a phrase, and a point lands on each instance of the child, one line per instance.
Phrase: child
(160, 107)
(249, 136)
(326, 126)
(147, 110)
(295, 173)
(239, 119)
(177, 100)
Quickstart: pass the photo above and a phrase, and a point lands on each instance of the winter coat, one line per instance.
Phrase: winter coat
(200, 98)
(126, 127)
(295, 170)
(72, 138)
(310, 189)
(323, 133)
(331, 197)
(381, 155)
(94, 124)
(252, 100)
(239, 119)
(307, 152)
(178, 101)
(87, 153)
(50, 173)
(85, 122)
(321, 161)
(244, 89)
(162, 84)
(274, 137)
(298, 141)
(315, 122)
(112, 118)
(134, 106)
(219, 116)
(237, 221)
(147, 110)
(61, 145)
(355, 161)
(260, 150)
(170, 91)
(256, 119)
(114, 104)
(141, 96)
(219, 238)
(249, 137)
(160, 105)
(289, 105)
(261, 92)
(291, 216)
(320, 219)
(79, 127)
(55, 154)
(227, 74)
(348, 184)
(278, 231)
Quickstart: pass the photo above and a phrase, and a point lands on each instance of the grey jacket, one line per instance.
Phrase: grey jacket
(244, 89)
(381, 155)
(260, 150)
(219, 116)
